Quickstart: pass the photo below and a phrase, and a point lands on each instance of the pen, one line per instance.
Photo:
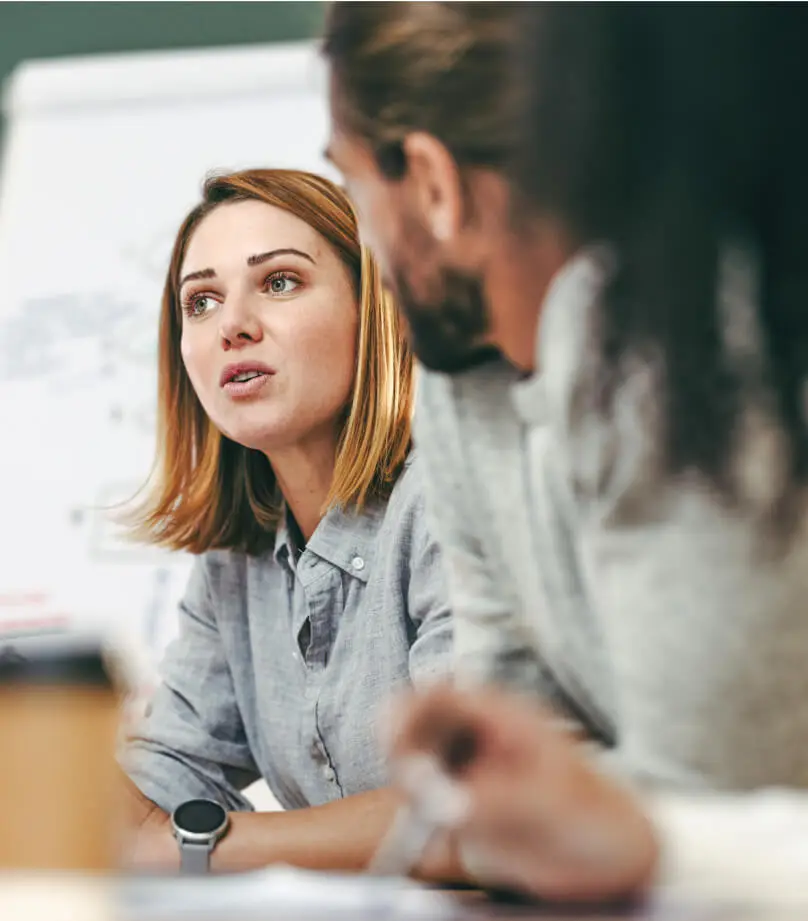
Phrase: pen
(403, 847)
(435, 803)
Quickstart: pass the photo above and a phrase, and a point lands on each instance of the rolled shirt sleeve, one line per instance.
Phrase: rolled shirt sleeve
(192, 742)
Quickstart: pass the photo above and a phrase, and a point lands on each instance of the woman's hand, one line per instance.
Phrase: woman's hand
(540, 817)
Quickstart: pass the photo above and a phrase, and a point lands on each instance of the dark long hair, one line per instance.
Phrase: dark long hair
(678, 133)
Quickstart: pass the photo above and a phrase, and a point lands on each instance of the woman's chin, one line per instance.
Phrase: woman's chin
(263, 440)
(258, 436)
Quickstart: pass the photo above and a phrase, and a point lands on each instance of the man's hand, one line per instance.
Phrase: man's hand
(541, 817)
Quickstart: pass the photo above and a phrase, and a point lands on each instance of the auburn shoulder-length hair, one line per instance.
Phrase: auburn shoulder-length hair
(206, 491)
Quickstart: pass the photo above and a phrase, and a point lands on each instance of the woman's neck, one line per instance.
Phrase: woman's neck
(304, 475)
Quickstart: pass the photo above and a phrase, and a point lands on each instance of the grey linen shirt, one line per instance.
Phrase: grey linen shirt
(281, 660)
(637, 603)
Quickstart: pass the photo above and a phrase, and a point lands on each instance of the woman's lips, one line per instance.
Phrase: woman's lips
(241, 389)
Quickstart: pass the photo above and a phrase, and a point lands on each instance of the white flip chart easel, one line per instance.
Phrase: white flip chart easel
(103, 157)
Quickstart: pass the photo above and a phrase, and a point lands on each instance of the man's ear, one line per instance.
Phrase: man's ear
(434, 179)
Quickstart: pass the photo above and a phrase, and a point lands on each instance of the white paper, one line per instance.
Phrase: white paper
(745, 849)
(296, 893)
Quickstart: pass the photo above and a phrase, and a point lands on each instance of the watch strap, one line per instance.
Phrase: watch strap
(195, 857)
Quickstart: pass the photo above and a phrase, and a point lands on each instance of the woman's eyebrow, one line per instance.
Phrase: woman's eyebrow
(251, 260)
(289, 251)
(202, 273)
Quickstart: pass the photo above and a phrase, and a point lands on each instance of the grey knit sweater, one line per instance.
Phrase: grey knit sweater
(638, 604)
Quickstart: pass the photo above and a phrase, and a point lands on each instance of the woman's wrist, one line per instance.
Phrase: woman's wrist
(152, 846)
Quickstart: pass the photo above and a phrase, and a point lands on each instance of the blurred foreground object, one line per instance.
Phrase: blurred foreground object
(59, 709)
(57, 897)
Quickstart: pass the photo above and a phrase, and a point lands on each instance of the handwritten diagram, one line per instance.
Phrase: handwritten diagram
(78, 380)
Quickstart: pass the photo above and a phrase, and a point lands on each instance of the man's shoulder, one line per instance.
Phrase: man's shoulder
(472, 397)
(468, 436)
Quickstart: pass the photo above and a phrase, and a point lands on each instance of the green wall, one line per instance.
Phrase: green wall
(36, 30)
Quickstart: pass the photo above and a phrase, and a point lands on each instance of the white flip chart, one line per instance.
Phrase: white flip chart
(103, 157)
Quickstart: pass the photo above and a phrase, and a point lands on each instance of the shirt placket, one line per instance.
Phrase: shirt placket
(320, 584)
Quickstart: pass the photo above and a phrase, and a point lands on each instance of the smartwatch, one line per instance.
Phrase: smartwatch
(198, 824)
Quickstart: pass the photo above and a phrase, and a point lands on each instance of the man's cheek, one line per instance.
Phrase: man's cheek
(366, 235)
(374, 243)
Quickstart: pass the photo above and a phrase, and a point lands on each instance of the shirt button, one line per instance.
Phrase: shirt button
(358, 563)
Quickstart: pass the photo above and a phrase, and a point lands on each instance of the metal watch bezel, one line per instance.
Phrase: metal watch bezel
(200, 837)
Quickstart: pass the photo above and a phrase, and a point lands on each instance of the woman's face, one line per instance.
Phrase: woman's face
(269, 326)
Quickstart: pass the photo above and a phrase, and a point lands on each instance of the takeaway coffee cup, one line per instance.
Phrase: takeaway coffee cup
(59, 787)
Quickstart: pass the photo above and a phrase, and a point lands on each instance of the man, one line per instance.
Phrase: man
(566, 500)
(422, 129)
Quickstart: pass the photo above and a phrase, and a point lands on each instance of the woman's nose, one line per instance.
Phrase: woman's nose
(238, 324)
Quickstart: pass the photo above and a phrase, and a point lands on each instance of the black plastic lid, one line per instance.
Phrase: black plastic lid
(24, 663)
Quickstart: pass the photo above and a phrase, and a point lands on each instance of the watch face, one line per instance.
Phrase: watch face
(199, 817)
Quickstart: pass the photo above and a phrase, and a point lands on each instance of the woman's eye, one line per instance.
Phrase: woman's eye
(197, 306)
(281, 284)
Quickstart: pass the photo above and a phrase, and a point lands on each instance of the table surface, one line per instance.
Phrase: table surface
(477, 906)
(43, 897)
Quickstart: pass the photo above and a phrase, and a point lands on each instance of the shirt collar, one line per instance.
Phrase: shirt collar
(344, 537)
(570, 296)
(528, 398)
(347, 538)
(283, 541)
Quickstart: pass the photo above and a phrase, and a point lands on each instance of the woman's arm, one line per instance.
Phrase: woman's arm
(341, 835)
(192, 742)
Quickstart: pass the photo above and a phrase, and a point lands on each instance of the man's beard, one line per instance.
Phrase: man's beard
(446, 331)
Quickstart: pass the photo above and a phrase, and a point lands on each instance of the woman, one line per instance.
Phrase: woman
(284, 463)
